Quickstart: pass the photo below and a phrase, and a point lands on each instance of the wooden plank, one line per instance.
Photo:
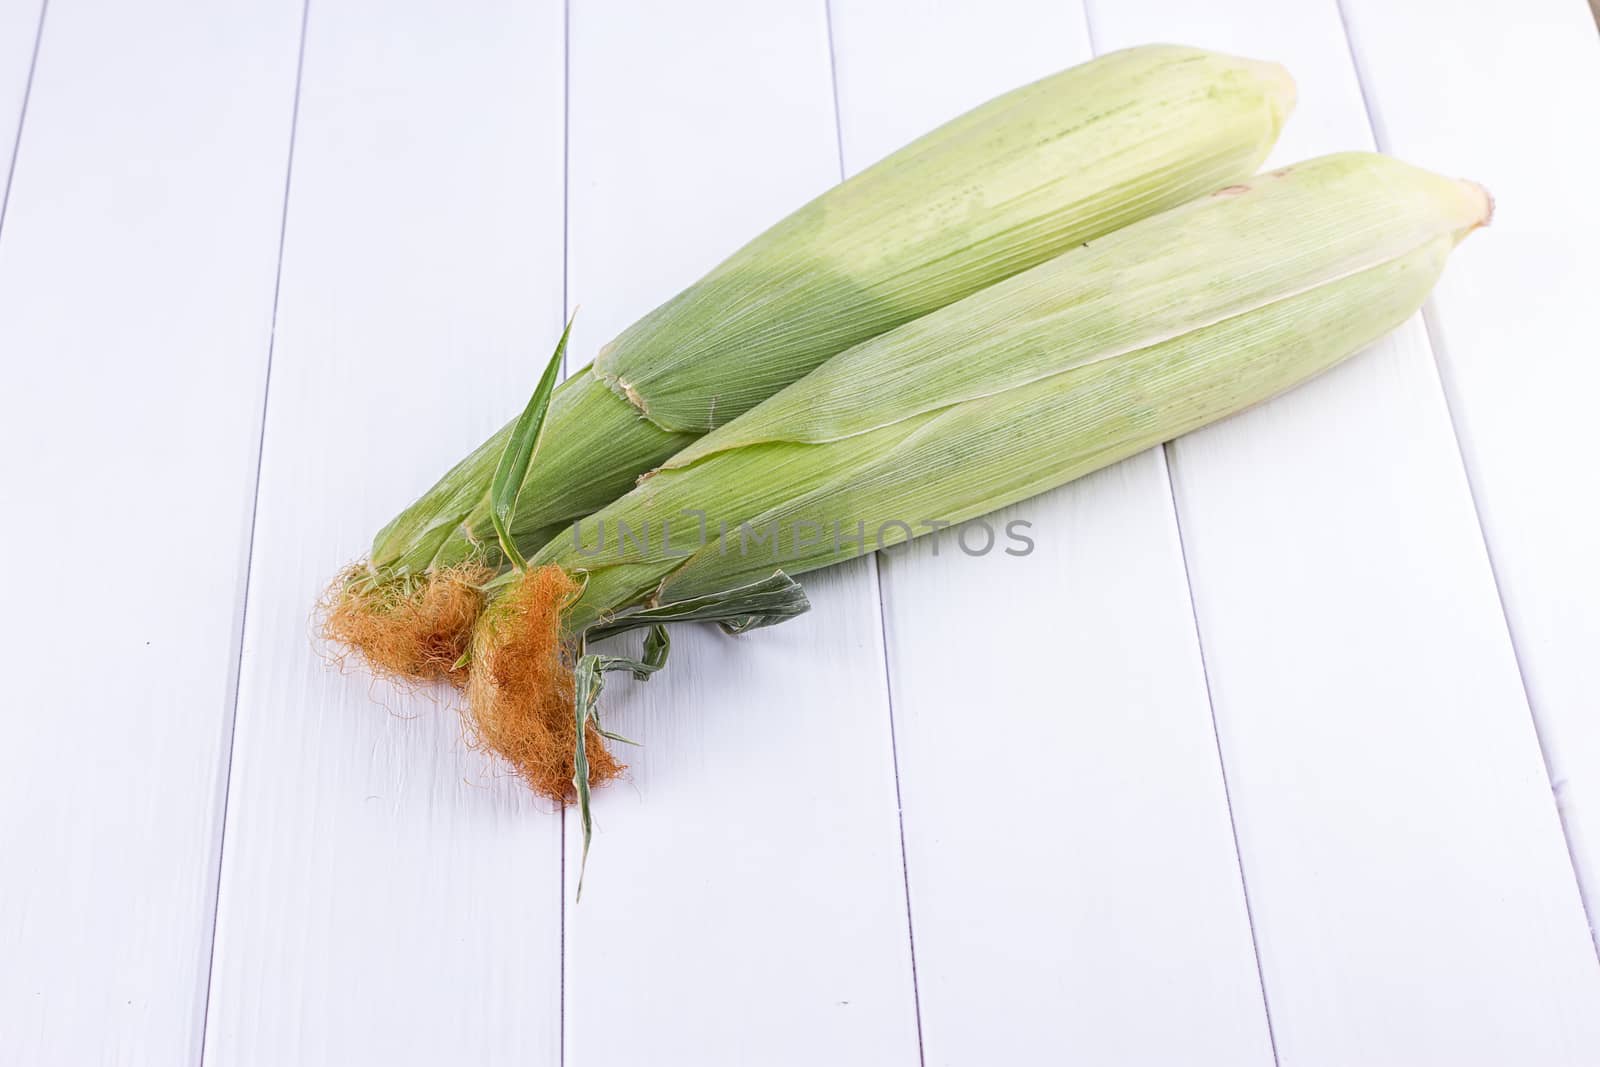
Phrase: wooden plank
(1094, 886)
(136, 272)
(387, 896)
(20, 21)
(1412, 895)
(744, 900)
(1512, 102)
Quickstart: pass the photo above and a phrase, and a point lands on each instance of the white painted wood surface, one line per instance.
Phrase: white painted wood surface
(20, 21)
(1513, 103)
(386, 896)
(1268, 698)
(1387, 789)
(745, 900)
(136, 268)
(1018, 941)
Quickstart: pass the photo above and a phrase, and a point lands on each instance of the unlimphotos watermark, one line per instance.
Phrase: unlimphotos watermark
(782, 539)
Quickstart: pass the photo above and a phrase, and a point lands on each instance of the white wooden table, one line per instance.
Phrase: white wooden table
(1283, 746)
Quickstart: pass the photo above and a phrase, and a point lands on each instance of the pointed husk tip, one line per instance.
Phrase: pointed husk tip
(1483, 204)
(1281, 88)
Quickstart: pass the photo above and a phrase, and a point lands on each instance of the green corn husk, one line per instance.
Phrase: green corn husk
(1153, 331)
(1156, 330)
(995, 192)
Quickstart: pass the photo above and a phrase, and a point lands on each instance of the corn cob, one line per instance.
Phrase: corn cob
(994, 192)
(1144, 335)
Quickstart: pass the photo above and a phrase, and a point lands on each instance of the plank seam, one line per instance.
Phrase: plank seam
(1430, 327)
(899, 805)
(231, 722)
(883, 623)
(566, 172)
(22, 115)
(1087, 10)
(566, 297)
(1168, 458)
(833, 80)
(1450, 396)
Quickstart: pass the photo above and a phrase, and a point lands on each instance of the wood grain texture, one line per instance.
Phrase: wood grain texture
(19, 28)
(1069, 852)
(136, 272)
(1513, 103)
(388, 897)
(1412, 895)
(744, 900)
